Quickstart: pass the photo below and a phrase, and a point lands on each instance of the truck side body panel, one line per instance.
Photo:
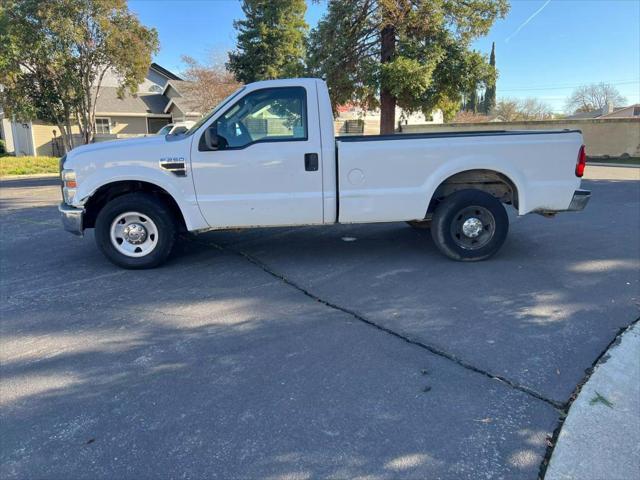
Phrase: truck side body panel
(267, 182)
(328, 155)
(138, 159)
(391, 179)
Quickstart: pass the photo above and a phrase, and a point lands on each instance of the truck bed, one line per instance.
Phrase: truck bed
(393, 177)
(470, 133)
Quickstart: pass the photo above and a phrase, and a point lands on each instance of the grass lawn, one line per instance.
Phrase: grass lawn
(27, 165)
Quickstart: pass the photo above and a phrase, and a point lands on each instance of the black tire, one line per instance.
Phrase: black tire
(150, 207)
(457, 214)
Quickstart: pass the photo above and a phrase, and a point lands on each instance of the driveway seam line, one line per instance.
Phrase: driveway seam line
(560, 406)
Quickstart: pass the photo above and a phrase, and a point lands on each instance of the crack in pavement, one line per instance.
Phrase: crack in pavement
(436, 351)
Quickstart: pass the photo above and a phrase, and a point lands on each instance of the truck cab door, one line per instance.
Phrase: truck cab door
(259, 162)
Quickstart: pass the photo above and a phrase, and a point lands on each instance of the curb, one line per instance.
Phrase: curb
(35, 176)
(619, 165)
(600, 437)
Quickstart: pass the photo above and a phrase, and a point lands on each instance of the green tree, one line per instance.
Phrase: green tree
(37, 78)
(490, 94)
(55, 55)
(271, 40)
(472, 102)
(409, 53)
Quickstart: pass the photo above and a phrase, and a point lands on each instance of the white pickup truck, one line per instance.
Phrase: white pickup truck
(267, 156)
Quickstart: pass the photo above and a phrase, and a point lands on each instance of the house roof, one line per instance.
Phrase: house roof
(584, 115)
(177, 85)
(184, 101)
(624, 112)
(186, 106)
(618, 112)
(163, 71)
(140, 104)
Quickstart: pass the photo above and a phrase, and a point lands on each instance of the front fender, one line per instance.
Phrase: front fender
(180, 188)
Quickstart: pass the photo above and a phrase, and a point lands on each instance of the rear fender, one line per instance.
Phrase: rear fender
(464, 164)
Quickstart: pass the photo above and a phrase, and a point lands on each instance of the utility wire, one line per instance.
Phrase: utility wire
(630, 82)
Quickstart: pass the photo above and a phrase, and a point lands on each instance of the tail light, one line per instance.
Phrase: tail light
(582, 162)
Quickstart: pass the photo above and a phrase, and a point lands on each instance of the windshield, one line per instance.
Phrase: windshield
(165, 130)
(204, 119)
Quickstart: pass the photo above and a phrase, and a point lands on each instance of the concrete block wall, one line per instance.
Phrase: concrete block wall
(615, 137)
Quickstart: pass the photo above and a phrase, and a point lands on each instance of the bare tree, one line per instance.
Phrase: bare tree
(534, 109)
(208, 84)
(506, 109)
(593, 97)
(512, 110)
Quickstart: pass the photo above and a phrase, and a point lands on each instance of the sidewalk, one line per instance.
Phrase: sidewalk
(600, 438)
(602, 172)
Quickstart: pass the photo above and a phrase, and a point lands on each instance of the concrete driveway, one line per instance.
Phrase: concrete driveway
(341, 352)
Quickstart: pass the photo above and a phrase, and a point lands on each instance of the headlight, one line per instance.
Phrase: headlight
(68, 176)
(69, 185)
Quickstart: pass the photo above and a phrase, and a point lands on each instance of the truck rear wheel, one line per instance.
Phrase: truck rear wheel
(135, 231)
(469, 225)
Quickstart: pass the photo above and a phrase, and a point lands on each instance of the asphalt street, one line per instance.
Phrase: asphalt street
(342, 352)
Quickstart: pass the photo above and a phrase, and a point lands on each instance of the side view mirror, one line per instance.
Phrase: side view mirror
(211, 138)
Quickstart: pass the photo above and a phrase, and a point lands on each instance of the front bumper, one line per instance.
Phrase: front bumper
(72, 218)
(579, 200)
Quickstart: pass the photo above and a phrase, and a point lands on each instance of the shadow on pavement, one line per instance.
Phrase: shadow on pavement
(210, 366)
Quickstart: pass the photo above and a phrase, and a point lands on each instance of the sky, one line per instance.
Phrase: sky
(544, 48)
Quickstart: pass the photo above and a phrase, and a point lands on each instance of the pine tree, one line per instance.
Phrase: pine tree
(490, 94)
(472, 105)
(271, 40)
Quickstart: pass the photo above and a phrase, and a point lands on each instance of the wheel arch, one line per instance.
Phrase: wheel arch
(107, 192)
(503, 186)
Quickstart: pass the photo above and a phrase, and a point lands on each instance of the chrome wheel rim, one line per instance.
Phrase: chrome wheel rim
(134, 234)
(473, 227)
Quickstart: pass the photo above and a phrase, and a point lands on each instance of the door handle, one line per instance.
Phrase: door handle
(311, 162)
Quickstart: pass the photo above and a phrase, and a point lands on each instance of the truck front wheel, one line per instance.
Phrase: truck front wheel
(469, 225)
(135, 231)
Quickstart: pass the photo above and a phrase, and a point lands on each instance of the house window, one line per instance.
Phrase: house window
(103, 125)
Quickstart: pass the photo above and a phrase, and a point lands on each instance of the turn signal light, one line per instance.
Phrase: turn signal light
(70, 184)
(582, 162)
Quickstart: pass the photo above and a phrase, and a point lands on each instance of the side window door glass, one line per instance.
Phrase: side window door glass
(272, 114)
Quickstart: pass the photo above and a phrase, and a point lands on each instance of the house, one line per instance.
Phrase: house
(352, 119)
(608, 111)
(159, 101)
(179, 105)
(632, 111)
